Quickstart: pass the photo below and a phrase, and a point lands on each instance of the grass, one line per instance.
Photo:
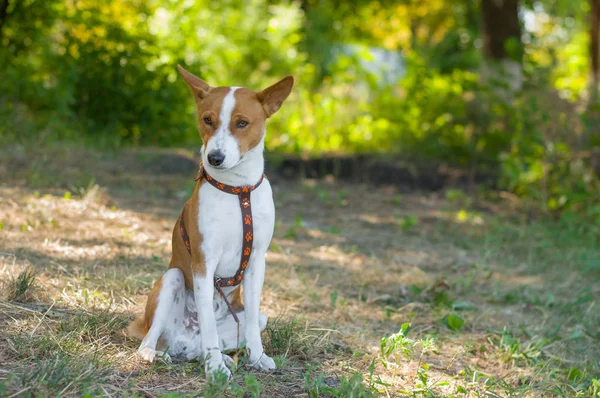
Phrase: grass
(22, 287)
(369, 293)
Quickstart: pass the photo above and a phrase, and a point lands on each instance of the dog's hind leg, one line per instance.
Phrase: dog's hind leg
(162, 300)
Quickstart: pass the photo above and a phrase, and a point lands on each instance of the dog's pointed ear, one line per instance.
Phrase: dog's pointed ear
(272, 97)
(198, 86)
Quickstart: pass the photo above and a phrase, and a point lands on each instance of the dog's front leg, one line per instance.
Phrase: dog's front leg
(203, 294)
(253, 284)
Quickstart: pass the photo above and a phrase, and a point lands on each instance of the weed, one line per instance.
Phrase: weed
(22, 287)
(513, 350)
(292, 231)
(334, 297)
(454, 322)
(345, 387)
(408, 222)
(291, 339)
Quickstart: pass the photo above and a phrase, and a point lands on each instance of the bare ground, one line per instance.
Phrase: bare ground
(496, 306)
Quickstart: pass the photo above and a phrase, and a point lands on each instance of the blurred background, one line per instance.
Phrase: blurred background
(504, 88)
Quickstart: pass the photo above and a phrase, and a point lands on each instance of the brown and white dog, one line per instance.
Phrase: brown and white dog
(185, 315)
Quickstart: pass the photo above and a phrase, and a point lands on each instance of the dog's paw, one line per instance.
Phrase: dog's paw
(263, 362)
(215, 363)
(229, 362)
(148, 354)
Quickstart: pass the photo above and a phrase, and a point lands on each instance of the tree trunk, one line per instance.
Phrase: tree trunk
(595, 49)
(502, 49)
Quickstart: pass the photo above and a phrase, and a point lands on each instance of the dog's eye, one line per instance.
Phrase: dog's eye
(241, 124)
(207, 120)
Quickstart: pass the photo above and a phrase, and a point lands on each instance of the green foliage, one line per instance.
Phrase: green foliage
(106, 72)
(398, 347)
(454, 322)
(110, 67)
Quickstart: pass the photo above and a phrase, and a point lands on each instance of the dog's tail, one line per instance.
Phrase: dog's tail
(138, 328)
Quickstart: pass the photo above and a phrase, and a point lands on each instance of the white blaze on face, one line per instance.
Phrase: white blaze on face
(224, 140)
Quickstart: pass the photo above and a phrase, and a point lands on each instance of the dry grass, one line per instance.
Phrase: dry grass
(83, 238)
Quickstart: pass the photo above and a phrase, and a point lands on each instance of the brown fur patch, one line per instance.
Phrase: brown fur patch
(248, 108)
(137, 328)
(194, 264)
(236, 300)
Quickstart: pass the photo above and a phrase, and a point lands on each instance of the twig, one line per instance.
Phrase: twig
(42, 319)
(19, 392)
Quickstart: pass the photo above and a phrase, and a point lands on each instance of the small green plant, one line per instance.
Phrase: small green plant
(513, 350)
(217, 385)
(408, 222)
(455, 195)
(289, 338)
(292, 231)
(252, 386)
(334, 297)
(396, 347)
(87, 192)
(21, 288)
(454, 322)
(333, 229)
(342, 197)
(396, 200)
(323, 195)
(594, 389)
(346, 387)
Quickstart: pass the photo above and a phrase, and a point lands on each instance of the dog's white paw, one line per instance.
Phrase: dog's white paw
(215, 362)
(263, 362)
(148, 354)
(229, 362)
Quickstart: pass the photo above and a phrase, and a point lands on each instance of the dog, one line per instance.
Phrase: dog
(221, 238)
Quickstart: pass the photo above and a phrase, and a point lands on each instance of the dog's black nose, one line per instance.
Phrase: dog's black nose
(216, 157)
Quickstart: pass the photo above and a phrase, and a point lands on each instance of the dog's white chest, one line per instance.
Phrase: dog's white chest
(220, 223)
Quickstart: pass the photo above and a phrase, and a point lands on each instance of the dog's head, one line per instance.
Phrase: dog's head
(231, 120)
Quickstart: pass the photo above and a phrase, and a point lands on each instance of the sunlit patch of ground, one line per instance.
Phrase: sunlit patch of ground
(494, 306)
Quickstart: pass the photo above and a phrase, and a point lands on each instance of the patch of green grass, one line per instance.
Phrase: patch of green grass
(90, 327)
(61, 375)
(513, 350)
(291, 233)
(544, 268)
(352, 386)
(543, 246)
(291, 339)
(74, 334)
(22, 287)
